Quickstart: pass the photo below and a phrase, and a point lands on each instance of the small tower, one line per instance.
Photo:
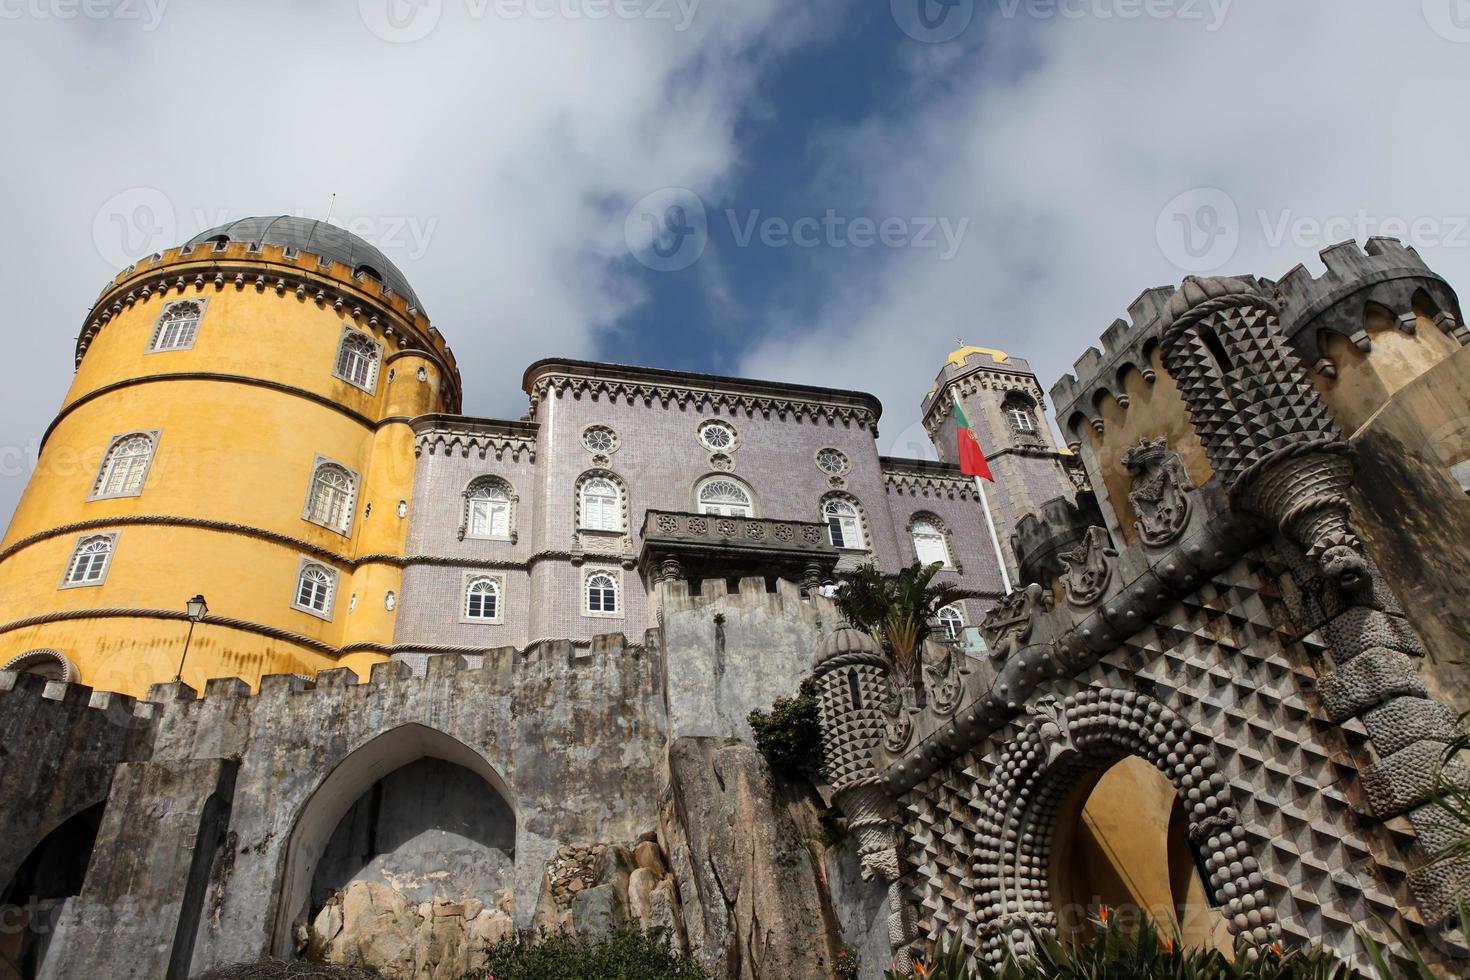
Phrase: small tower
(852, 687)
(1007, 411)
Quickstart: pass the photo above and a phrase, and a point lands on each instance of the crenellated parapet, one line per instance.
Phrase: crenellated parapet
(1127, 346)
(290, 273)
(1383, 273)
(1041, 539)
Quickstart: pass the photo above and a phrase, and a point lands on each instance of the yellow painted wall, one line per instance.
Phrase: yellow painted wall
(227, 452)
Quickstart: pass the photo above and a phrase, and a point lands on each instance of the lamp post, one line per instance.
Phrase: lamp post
(197, 609)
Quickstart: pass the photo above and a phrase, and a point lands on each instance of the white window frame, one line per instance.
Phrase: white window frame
(72, 561)
(615, 441)
(716, 509)
(845, 466)
(155, 342)
(311, 564)
(492, 484)
(938, 534)
(350, 334)
(958, 614)
(1021, 418)
(471, 579)
(349, 507)
(106, 467)
(609, 515)
(859, 535)
(617, 590)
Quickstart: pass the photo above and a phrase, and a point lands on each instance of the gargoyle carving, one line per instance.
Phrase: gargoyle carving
(1160, 494)
(944, 681)
(898, 726)
(1088, 568)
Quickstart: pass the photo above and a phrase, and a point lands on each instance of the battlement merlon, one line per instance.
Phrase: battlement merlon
(1384, 272)
(194, 269)
(1126, 345)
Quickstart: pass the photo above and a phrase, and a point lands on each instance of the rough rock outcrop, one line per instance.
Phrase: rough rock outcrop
(749, 873)
(369, 924)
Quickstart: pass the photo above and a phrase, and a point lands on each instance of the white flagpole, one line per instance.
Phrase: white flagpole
(1000, 558)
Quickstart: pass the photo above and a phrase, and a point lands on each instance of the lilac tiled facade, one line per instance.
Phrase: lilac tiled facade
(658, 462)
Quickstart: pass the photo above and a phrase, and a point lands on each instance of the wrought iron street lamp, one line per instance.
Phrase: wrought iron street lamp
(197, 609)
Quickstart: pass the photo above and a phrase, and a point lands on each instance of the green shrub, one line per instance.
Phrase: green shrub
(790, 735)
(1139, 951)
(848, 965)
(626, 955)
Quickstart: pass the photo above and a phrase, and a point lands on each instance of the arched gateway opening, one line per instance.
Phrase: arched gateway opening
(1122, 842)
(1041, 865)
(31, 902)
(412, 816)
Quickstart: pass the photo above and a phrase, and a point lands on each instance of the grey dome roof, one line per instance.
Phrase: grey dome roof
(316, 237)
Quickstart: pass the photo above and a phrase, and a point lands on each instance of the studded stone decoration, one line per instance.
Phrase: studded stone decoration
(1037, 771)
(1265, 428)
(1160, 494)
(852, 679)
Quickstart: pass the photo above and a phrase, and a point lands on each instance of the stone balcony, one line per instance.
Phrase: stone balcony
(693, 547)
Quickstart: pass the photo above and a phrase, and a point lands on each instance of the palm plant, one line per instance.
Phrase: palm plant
(898, 611)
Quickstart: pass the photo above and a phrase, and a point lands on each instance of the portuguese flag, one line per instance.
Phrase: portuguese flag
(972, 457)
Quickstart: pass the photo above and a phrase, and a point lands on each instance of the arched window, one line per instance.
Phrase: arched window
(931, 544)
(178, 326)
(482, 599)
(951, 622)
(601, 505)
(1021, 418)
(724, 497)
(487, 509)
(357, 360)
(124, 466)
(844, 524)
(330, 501)
(602, 594)
(90, 559)
(47, 664)
(314, 587)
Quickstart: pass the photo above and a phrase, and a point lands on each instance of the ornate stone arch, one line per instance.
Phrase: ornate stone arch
(505, 486)
(721, 476)
(1035, 773)
(857, 505)
(49, 663)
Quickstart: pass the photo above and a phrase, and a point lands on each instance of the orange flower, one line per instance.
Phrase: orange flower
(1280, 950)
(1103, 914)
(920, 970)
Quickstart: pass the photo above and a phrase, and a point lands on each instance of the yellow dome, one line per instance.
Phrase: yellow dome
(958, 357)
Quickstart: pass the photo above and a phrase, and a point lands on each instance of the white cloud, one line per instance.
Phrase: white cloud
(509, 145)
(1063, 139)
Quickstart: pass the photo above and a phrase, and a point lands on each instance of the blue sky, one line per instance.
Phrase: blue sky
(500, 151)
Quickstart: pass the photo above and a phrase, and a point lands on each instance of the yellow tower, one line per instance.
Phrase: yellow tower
(238, 428)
